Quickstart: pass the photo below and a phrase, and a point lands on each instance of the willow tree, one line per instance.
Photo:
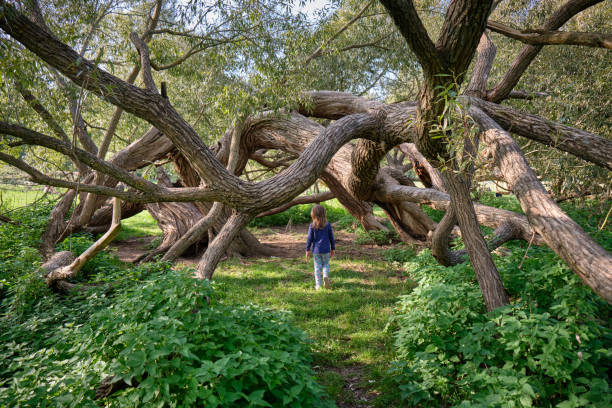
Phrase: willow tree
(441, 133)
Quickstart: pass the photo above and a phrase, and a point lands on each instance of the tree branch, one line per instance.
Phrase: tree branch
(416, 157)
(529, 52)
(463, 26)
(580, 143)
(42, 112)
(315, 198)
(488, 216)
(112, 126)
(38, 139)
(236, 222)
(194, 234)
(145, 62)
(412, 29)
(40, 178)
(71, 270)
(566, 238)
(486, 55)
(543, 37)
(49, 120)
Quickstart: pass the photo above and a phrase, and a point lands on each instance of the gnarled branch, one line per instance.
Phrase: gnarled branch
(578, 142)
(586, 258)
(553, 37)
(529, 52)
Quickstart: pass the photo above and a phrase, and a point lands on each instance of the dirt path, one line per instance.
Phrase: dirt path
(131, 249)
(292, 240)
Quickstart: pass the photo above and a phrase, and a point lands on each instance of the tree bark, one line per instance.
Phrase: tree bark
(217, 248)
(486, 272)
(588, 259)
(488, 216)
(174, 219)
(577, 142)
(433, 177)
(56, 225)
(152, 146)
(441, 238)
(553, 37)
(194, 234)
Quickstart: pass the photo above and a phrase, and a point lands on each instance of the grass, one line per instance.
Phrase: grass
(346, 324)
(13, 197)
(140, 225)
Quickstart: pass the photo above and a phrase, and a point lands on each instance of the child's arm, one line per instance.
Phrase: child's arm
(332, 242)
(309, 241)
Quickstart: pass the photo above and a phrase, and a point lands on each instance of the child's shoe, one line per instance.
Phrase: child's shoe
(317, 287)
(326, 283)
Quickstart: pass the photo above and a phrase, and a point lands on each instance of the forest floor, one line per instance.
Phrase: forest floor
(352, 349)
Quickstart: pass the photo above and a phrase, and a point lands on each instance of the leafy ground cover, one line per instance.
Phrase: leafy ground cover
(550, 348)
(168, 336)
(396, 329)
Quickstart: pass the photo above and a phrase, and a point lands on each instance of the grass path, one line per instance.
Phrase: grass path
(352, 350)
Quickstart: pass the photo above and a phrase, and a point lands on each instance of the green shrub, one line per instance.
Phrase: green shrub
(400, 254)
(550, 348)
(20, 287)
(377, 237)
(148, 325)
(163, 337)
(435, 215)
(347, 223)
(299, 214)
(224, 355)
(505, 201)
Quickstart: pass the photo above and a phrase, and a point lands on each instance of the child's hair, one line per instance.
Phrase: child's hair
(319, 219)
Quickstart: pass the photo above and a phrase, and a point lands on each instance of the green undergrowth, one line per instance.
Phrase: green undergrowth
(550, 348)
(148, 326)
(300, 214)
(346, 324)
(396, 327)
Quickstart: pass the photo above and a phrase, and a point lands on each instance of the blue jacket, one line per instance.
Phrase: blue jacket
(320, 239)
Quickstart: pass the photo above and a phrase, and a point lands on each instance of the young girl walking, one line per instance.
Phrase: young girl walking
(321, 238)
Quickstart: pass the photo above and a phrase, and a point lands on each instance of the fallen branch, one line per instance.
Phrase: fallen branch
(5, 219)
(71, 270)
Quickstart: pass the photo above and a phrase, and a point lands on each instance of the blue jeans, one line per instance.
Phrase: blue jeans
(321, 264)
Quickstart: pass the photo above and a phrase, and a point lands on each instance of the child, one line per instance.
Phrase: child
(321, 238)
